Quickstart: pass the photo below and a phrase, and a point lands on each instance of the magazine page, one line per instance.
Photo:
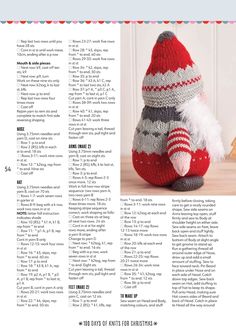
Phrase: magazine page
(118, 176)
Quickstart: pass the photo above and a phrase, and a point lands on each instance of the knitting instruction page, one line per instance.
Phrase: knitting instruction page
(77, 253)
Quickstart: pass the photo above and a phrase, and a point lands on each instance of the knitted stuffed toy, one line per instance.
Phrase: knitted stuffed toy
(177, 135)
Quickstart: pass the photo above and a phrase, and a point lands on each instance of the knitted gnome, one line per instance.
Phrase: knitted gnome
(177, 135)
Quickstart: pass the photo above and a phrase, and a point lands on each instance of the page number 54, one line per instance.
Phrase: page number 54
(7, 168)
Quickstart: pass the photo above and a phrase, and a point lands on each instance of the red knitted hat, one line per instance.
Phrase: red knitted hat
(172, 78)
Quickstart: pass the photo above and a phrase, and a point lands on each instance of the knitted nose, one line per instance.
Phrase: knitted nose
(165, 35)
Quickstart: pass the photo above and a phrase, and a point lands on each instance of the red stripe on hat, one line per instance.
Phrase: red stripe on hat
(171, 86)
(177, 142)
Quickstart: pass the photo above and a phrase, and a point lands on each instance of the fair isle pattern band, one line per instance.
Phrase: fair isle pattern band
(169, 79)
(152, 133)
(171, 86)
(172, 97)
(152, 137)
(157, 144)
(156, 126)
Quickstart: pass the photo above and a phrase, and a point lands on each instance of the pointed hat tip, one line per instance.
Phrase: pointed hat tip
(165, 35)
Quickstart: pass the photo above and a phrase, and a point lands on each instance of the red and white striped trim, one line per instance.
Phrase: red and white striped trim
(178, 141)
(182, 143)
(171, 86)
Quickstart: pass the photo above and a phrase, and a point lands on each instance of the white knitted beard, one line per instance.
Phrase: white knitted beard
(203, 126)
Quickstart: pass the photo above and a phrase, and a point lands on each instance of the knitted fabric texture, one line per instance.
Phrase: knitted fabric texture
(188, 183)
(161, 137)
(163, 148)
(172, 78)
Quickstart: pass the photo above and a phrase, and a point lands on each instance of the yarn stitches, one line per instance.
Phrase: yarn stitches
(164, 150)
